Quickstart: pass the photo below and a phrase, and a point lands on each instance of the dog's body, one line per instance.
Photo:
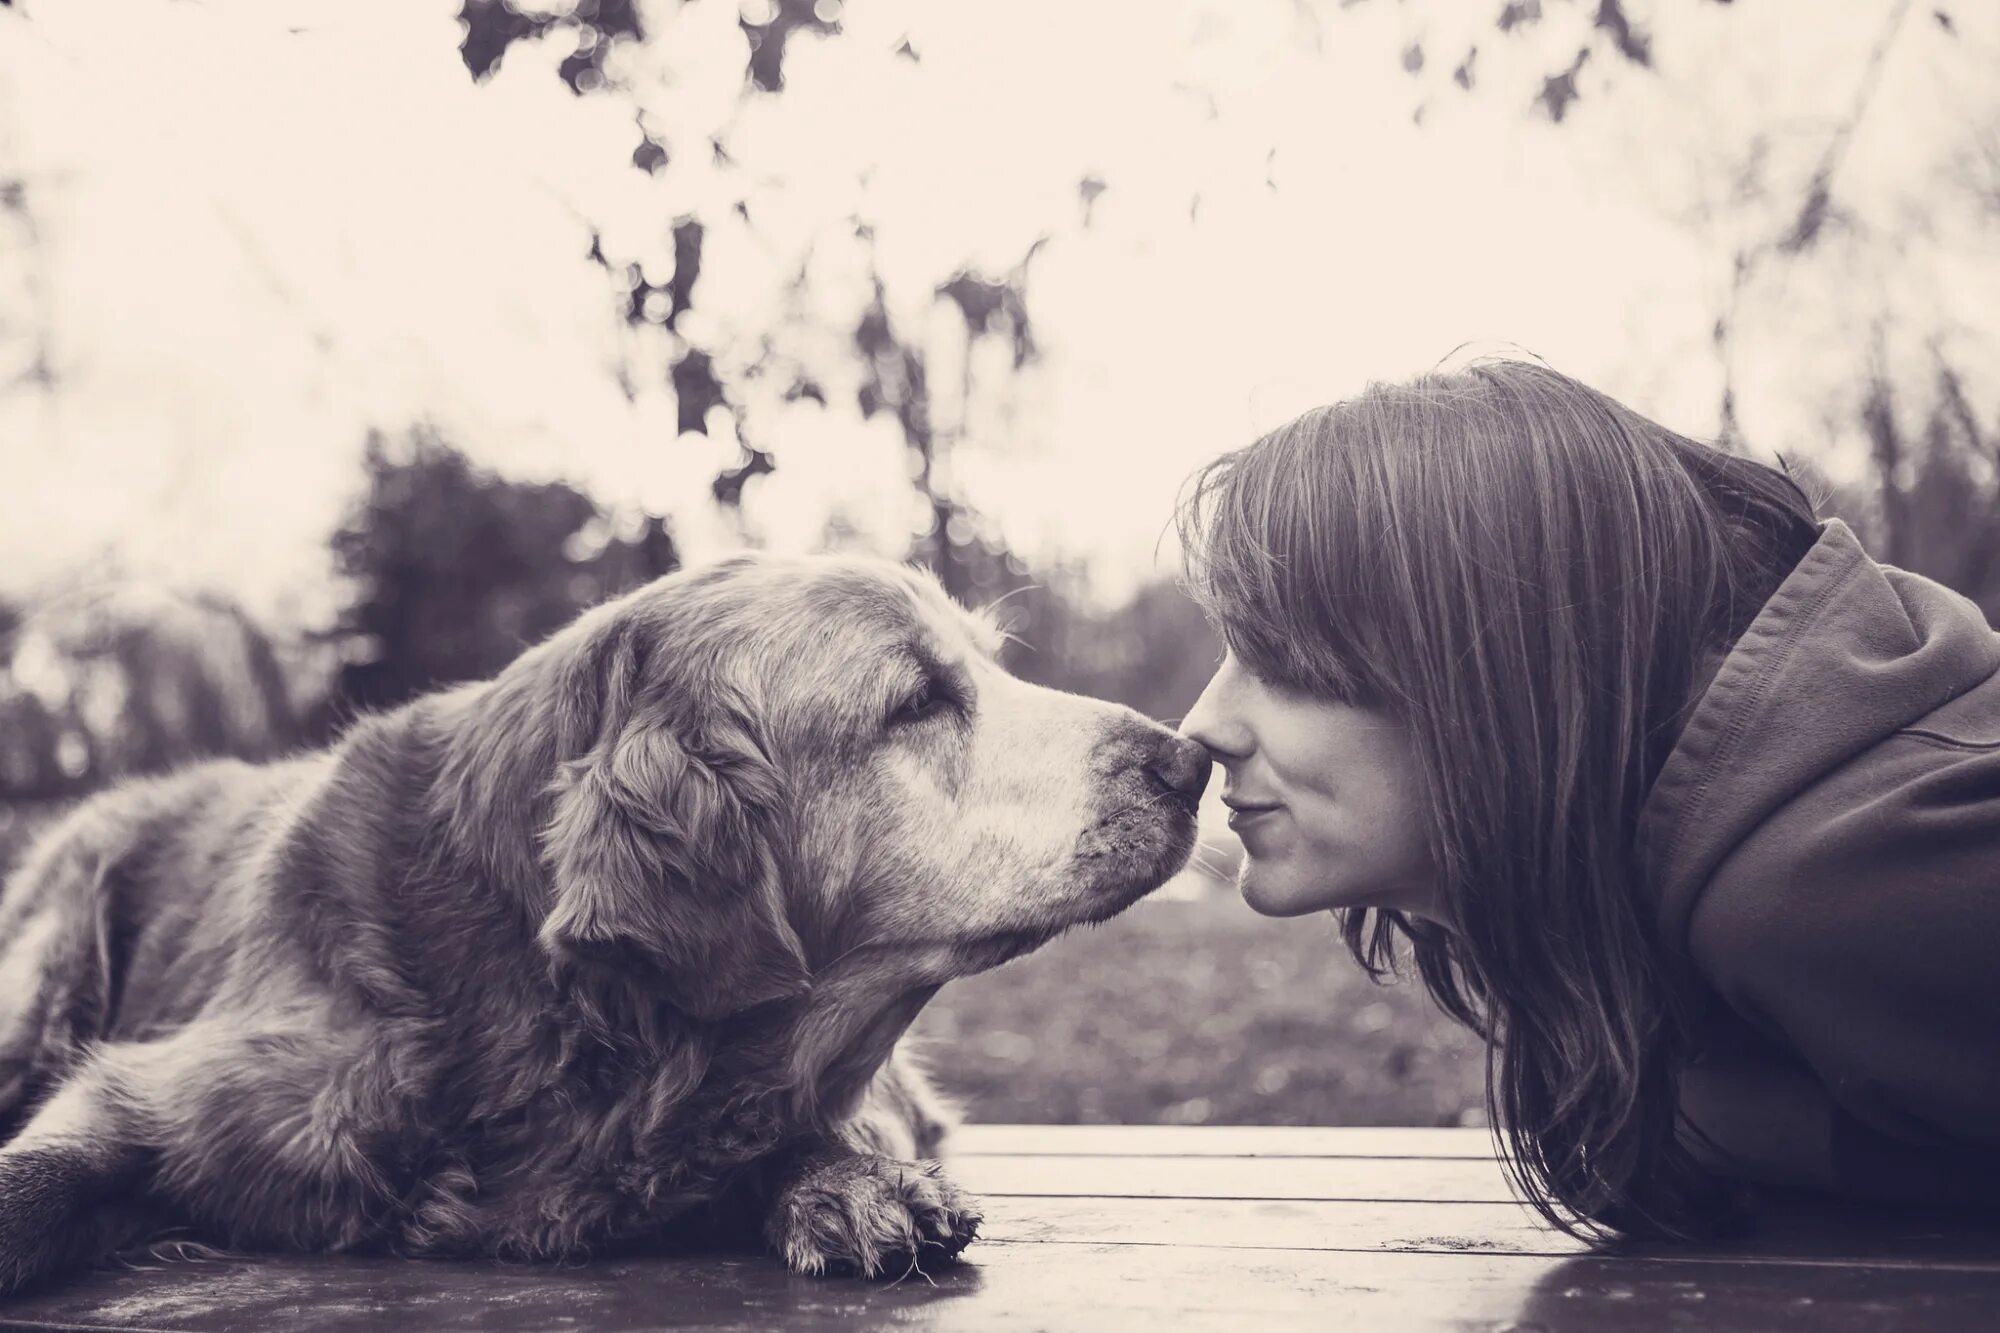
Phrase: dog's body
(610, 949)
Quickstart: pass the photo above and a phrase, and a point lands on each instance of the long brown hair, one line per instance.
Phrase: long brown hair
(1530, 576)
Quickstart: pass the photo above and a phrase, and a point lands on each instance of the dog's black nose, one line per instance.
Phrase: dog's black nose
(1181, 765)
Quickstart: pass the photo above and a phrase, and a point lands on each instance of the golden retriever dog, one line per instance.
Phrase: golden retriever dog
(612, 951)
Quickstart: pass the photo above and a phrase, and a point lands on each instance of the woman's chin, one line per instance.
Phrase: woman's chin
(1268, 891)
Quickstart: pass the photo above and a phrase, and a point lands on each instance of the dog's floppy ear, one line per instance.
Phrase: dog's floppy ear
(660, 848)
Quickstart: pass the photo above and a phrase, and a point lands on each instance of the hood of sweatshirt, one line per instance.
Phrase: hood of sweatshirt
(1846, 653)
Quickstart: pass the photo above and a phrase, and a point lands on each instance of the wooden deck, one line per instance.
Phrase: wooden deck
(1154, 1228)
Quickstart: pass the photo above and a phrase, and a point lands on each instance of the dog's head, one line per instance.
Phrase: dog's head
(767, 769)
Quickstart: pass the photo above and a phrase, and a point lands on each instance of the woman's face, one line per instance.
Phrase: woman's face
(1323, 795)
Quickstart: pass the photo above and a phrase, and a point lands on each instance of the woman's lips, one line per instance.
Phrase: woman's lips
(1244, 816)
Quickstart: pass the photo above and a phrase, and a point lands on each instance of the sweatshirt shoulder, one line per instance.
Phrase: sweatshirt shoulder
(1860, 923)
(1969, 722)
(1921, 802)
(1908, 828)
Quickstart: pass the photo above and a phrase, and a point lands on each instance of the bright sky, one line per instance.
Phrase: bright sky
(262, 226)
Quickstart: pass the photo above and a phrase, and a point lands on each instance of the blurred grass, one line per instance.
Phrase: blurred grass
(1198, 1011)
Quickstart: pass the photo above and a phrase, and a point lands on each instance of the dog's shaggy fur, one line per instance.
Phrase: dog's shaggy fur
(613, 950)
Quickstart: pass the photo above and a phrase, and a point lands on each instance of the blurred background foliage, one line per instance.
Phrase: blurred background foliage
(453, 570)
(1189, 1008)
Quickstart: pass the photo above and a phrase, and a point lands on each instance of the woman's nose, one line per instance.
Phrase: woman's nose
(1211, 725)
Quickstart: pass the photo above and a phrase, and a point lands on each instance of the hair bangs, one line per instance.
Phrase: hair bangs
(1274, 557)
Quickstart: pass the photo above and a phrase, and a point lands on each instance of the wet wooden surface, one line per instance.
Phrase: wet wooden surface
(1154, 1228)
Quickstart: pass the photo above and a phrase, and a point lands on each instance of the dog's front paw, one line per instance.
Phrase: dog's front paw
(41, 1195)
(857, 1212)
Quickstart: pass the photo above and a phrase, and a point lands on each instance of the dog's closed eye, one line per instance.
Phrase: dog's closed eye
(929, 699)
(933, 692)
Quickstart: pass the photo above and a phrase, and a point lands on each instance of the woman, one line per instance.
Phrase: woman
(1683, 801)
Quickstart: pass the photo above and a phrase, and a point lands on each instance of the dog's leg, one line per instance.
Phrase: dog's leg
(840, 1210)
(55, 982)
(871, 1198)
(65, 1182)
(901, 1115)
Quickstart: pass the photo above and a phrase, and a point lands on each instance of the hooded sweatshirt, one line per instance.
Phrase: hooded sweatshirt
(1825, 843)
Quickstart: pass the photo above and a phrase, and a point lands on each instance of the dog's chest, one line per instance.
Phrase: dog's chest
(594, 1154)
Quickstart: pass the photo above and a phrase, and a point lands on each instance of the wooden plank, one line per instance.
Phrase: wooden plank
(1438, 1180)
(1026, 1287)
(1218, 1141)
(1305, 1224)
(1813, 1238)
(1057, 1249)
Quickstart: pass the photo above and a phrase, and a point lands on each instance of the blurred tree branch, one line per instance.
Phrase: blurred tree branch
(895, 364)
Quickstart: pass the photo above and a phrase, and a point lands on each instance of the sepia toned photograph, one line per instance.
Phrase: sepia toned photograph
(929, 664)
